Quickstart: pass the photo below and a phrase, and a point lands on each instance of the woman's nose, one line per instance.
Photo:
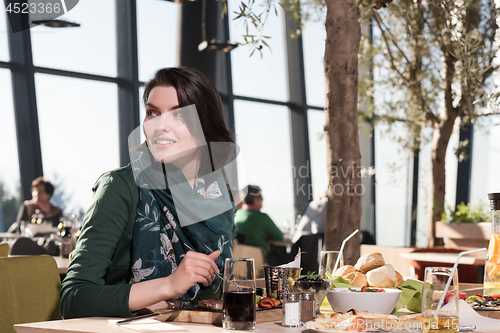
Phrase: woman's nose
(164, 122)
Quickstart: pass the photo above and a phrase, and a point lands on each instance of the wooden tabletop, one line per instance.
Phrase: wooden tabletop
(449, 258)
(101, 325)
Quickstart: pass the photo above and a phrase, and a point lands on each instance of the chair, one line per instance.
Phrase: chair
(248, 251)
(4, 250)
(25, 246)
(30, 288)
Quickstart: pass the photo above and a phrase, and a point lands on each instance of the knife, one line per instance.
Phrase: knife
(150, 315)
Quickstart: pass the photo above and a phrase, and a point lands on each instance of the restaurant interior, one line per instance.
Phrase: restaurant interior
(72, 93)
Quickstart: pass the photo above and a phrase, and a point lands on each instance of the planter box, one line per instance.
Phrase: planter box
(464, 235)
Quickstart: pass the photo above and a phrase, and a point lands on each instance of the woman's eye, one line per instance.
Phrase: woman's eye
(151, 113)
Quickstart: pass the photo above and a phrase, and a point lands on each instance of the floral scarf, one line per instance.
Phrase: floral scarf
(173, 219)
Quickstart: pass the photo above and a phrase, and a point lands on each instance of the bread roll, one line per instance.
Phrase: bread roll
(358, 279)
(369, 261)
(344, 270)
(399, 279)
(382, 277)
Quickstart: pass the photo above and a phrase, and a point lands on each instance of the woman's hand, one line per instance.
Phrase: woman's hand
(194, 268)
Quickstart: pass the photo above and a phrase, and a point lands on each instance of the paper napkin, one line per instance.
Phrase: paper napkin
(149, 325)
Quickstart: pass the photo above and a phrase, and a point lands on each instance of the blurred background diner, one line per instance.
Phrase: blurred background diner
(254, 227)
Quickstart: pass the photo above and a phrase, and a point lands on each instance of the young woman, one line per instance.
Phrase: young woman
(160, 228)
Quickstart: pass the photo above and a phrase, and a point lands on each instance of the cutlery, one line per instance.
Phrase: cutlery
(150, 315)
(216, 274)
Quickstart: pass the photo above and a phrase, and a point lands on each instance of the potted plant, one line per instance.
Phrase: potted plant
(466, 227)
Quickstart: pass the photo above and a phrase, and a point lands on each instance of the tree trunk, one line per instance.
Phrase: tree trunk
(343, 34)
(437, 185)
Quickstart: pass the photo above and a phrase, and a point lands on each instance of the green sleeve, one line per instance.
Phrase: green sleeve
(96, 283)
(272, 230)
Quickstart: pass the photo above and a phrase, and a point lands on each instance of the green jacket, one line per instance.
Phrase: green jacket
(97, 281)
(257, 228)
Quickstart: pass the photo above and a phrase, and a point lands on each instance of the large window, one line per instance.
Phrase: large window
(255, 76)
(485, 159)
(391, 187)
(156, 34)
(317, 151)
(265, 160)
(424, 179)
(79, 134)
(9, 163)
(314, 36)
(90, 48)
(4, 50)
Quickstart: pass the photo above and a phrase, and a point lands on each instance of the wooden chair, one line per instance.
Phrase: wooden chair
(248, 251)
(30, 288)
(4, 250)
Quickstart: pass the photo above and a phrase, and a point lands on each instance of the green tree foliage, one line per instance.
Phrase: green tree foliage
(434, 62)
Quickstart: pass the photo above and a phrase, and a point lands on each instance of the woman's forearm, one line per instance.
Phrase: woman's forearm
(147, 293)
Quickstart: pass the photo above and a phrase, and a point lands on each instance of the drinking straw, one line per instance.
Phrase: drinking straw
(342, 250)
(452, 273)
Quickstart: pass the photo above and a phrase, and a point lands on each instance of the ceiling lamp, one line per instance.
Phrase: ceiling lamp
(56, 23)
(214, 44)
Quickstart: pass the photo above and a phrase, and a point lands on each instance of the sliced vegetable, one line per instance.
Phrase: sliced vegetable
(478, 299)
(266, 303)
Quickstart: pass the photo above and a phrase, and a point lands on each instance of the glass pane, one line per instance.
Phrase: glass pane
(90, 48)
(424, 179)
(156, 19)
(10, 190)
(391, 191)
(317, 150)
(313, 37)
(79, 135)
(485, 159)
(255, 76)
(4, 40)
(265, 158)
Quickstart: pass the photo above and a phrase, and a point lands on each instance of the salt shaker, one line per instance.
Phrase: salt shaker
(291, 309)
(307, 308)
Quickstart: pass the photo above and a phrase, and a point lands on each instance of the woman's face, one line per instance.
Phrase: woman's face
(167, 135)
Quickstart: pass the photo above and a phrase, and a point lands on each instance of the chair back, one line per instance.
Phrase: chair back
(4, 250)
(30, 288)
(248, 251)
(24, 246)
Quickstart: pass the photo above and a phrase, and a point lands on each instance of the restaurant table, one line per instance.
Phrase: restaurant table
(9, 235)
(448, 258)
(101, 325)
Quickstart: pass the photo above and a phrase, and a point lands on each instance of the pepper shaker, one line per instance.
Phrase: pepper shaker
(307, 308)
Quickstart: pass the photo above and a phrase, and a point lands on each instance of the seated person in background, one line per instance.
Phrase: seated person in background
(255, 225)
(41, 192)
(314, 219)
(310, 233)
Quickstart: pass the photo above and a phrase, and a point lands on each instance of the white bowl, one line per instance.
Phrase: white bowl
(342, 300)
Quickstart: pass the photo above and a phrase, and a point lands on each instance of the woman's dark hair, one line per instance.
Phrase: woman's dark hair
(194, 87)
(49, 188)
(253, 192)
